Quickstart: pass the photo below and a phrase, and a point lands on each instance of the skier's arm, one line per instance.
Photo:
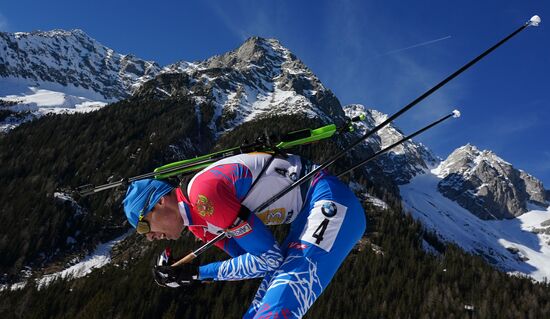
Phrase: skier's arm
(262, 256)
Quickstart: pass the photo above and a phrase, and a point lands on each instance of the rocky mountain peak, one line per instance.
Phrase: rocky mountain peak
(254, 52)
(377, 116)
(257, 47)
(260, 78)
(487, 185)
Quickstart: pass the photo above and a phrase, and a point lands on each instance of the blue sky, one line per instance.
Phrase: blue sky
(382, 54)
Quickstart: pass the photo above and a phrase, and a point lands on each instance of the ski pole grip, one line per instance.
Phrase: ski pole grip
(185, 260)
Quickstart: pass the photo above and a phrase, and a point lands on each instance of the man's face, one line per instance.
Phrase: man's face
(165, 220)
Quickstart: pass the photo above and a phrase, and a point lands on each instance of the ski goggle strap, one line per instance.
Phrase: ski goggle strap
(143, 227)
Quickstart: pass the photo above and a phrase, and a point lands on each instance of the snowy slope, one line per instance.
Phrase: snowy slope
(518, 245)
(30, 102)
(62, 72)
(97, 259)
(100, 257)
(71, 57)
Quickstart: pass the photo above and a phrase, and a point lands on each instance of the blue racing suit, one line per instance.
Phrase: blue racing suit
(326, 221)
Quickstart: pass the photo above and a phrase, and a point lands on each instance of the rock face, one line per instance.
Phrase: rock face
(488, 186)
(402, 162)
(72, 58)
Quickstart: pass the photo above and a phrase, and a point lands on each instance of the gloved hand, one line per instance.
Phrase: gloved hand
(174, 277)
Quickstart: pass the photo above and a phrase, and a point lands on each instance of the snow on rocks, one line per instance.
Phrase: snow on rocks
(99, 258)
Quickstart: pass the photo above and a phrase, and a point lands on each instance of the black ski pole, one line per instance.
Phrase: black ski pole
(454, 114)
(534, 21)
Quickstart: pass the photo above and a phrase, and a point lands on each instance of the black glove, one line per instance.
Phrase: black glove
(174, 277)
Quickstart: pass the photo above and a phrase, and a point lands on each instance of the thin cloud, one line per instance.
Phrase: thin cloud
(387, 86)
(3, 23)
(391, 84)
(413, 46)
(228, 21)
(520, 124)
(544, 164)
(262, 22)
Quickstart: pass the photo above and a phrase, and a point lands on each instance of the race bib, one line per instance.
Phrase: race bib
(323, 224)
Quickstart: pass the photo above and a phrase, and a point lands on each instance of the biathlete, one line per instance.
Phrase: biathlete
(326, 221)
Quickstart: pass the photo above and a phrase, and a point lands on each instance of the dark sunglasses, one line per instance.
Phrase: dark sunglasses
(143, 227)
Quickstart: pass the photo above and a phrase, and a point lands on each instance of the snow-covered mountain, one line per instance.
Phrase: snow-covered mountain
(482, 203)
(67, 71)
(259, 79)
(518, 245)
(62, 72)
(487, 185)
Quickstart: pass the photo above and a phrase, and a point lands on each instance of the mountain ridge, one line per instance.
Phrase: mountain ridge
(71, 57)
(260, 77)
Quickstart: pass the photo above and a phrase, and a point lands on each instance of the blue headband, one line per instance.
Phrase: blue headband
(142, 196)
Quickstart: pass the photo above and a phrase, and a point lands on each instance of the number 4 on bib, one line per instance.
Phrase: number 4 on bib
(320, 231)
(324, 223)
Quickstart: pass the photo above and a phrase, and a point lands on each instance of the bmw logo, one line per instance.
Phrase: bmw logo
(329, 209)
